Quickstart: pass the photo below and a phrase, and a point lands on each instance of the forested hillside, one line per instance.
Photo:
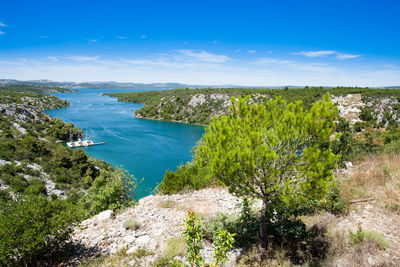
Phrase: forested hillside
(46, 187)
(198, 106)
(33, 88)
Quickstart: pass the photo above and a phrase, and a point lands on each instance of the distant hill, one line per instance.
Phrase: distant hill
(118, 85)
(27, 88)
(149, 86)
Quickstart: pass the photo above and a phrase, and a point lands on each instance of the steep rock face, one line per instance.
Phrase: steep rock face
(159, 218)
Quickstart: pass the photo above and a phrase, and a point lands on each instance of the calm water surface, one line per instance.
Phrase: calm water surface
(145, 148)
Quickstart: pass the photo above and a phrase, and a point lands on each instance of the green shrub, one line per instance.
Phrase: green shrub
(34, 231)
(189, 176)
(245, 226)
(36, 187)
(131, 224)
(333, 202)
(111, 190)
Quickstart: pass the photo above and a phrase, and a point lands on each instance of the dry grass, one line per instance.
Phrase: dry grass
(121, 258)
(166, 204)
(377, 176)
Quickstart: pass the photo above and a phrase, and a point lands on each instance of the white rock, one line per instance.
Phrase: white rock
(131, 250)
(129, 239)
(143, 240)
(105, 215)
(197, 100)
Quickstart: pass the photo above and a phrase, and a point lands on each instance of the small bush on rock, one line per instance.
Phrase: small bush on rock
(131, 224)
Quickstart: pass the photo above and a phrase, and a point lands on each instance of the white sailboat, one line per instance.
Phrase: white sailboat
(82, 143)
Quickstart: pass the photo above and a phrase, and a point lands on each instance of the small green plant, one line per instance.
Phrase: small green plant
(131, 224)
(362, 236)
(176, 246)
(194, 240)
(395, 207)
(333, 202)
(223, 242)
(387, 173)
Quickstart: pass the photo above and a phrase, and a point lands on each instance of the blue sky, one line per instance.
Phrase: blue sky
(203, 42)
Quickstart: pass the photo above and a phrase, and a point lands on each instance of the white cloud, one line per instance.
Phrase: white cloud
(199, 67)
(82, 58)
(52, 58)
(295, 66)
(93, 40)
(199, 56)
(144, 36)
(251, 51)
(324, 53)
(346, 56)
(2, 24)
(1, 32)
(314, 53)
(121, 37)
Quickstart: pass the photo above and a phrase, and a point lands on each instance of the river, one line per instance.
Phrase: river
(146, 148)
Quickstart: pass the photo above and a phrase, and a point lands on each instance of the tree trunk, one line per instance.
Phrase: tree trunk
(263, 227)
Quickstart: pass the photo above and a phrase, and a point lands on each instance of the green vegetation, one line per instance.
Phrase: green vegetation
(173, 105)
(31, 99)
(189, 176)
(363, 236)
(131, 224)
(245, 226)
(278, 153)
(33, 229)
(46, 187)
(193, 239)
(223, 242)
(33, 88)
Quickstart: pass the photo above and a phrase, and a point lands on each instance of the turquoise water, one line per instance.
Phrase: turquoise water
(146, 148)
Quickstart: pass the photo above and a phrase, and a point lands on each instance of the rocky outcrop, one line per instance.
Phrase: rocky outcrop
(349, 106)
(158, 218)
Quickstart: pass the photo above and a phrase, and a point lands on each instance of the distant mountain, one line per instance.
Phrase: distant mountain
(117, 85)
(150, 86)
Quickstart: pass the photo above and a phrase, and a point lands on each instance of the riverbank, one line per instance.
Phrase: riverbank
(145, 148)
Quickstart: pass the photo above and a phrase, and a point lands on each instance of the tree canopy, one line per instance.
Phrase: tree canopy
(278, 152)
